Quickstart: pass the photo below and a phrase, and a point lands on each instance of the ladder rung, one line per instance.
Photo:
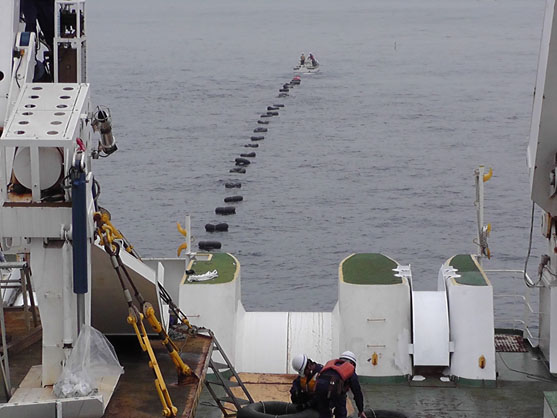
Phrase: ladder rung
(13, 265)
(219, 366)
(219, 369)
(239, 401)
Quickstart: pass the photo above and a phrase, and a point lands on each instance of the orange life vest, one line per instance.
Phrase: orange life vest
(308, 384)
(345, 369)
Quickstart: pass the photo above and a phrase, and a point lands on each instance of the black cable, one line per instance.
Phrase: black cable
(96, 190)
(526, 281)
(97, 186)
(17, 69)
(117, 269)
(549, 271)
(165, 296)
(529, 375)
(137, 293)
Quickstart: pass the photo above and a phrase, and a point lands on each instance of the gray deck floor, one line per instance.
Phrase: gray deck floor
(523, 378)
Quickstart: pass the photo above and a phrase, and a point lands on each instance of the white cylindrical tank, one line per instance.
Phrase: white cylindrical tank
(470, 297)
(50, 167)
(375, 315)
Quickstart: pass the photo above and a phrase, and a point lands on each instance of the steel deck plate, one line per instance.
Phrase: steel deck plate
(506, 343)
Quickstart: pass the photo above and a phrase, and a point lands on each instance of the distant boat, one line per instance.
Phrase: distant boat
(307, 68)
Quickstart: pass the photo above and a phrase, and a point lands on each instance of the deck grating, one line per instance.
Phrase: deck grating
(508, 343)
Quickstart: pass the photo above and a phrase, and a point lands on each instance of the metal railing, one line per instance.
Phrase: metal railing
(529, 314)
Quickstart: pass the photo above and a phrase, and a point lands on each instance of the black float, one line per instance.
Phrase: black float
(222, 227)
(242, 161)
(226, 210)
(209, 245)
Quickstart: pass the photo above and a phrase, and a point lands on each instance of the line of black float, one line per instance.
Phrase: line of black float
(241, 164)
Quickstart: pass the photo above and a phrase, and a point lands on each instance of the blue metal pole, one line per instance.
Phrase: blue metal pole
(79, 232)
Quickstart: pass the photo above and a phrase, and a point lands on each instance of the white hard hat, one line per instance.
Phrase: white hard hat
(348, 355)
(299, 363)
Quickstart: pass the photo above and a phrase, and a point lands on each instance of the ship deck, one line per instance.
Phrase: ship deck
(523, 378)
(518, 392)
(135, 395)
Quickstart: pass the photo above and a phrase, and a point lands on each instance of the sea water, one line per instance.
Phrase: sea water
(375, 153)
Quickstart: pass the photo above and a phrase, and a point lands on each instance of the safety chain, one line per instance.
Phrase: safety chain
(108, 232)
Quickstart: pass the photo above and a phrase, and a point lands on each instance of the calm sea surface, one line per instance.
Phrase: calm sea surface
(375, 153)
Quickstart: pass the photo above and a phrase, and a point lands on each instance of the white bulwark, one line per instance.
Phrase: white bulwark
(373, 318)
(472, 328)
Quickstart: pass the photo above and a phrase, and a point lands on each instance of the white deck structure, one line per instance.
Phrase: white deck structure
(372, 318)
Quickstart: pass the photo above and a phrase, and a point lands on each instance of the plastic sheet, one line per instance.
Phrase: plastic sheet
(91, 358)
(203, 277)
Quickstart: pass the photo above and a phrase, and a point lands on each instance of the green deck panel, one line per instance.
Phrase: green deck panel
(551, 398)
(468, 270)
(223, 263)
(369, 269)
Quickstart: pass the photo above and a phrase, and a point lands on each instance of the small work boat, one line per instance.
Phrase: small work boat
(307, 68)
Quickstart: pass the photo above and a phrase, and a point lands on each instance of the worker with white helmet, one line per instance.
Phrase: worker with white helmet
(336, 378)
(303, 387)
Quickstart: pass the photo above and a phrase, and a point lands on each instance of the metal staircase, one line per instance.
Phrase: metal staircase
(4, 363)
(222, 372)
(22, 285)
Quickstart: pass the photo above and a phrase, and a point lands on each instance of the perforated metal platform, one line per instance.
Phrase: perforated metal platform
(509, 343)
(47, 112)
